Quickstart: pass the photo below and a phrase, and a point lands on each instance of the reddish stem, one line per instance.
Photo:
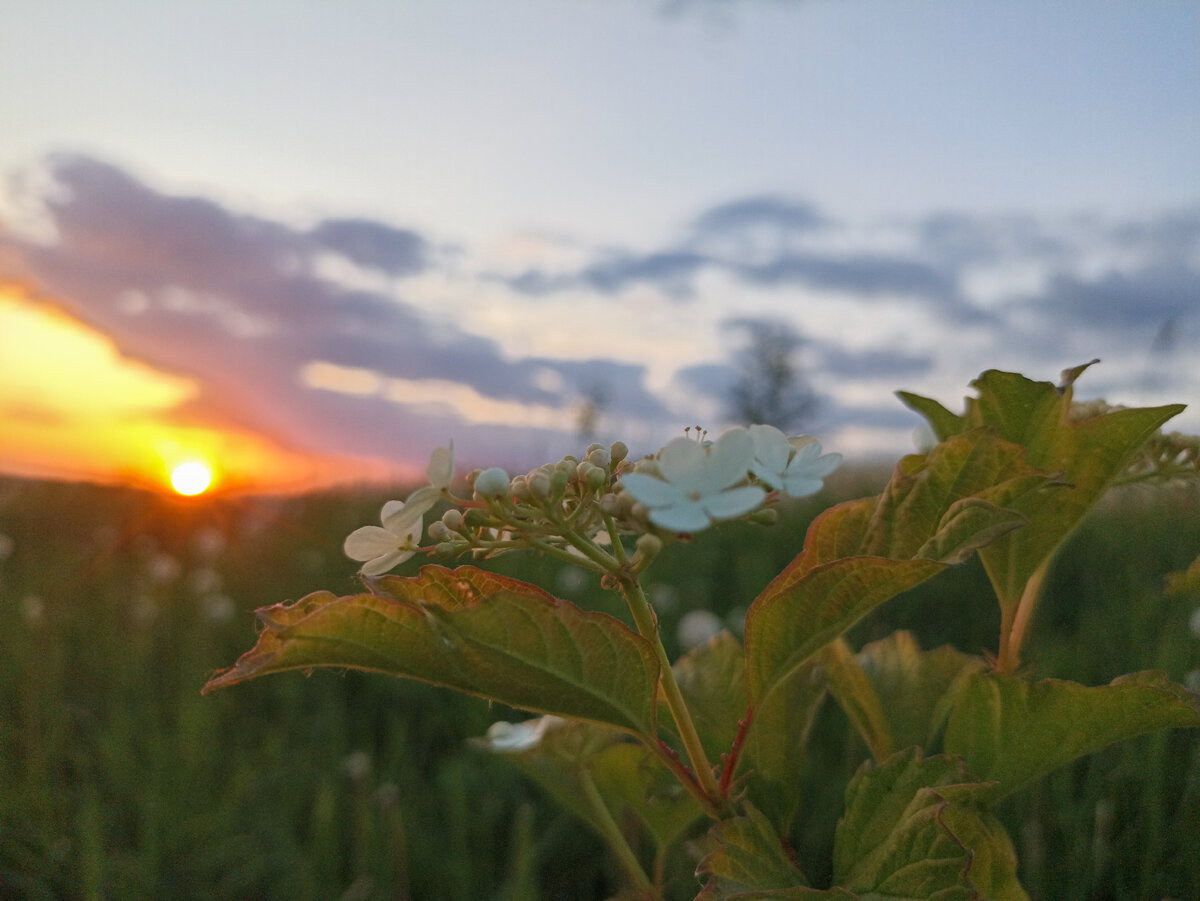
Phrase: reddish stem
(729, 762)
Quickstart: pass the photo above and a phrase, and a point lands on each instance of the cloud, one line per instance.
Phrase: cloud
(368, 338)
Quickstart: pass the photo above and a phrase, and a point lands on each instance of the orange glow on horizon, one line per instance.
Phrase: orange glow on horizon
(74, 407)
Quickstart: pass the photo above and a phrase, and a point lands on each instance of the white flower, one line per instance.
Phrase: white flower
(439, 472)
(699, 483)
(515, 737)
(381, 549)
(795, 467)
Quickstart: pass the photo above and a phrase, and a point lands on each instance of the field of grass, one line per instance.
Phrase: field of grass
(118, 780)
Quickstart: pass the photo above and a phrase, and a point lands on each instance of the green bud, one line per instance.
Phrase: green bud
(592, 448)
(649, 545)
(452, 519)
(599, 458)
(614, 504)
(518, 488)
(596, 478)
(582, 470)
(439, 532)
(539, 484)
(558, 482)
(476, 518)
(618, 451)
(448, 548)
(765, 516)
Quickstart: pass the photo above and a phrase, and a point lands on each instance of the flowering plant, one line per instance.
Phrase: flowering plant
(663, 757)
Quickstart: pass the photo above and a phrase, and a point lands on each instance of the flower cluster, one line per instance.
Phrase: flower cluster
(582, 508)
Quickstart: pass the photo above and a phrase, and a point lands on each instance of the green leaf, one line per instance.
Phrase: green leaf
(749, 857)
(1090, 453)
(775, 745)
(1011, 732)
(935, 510)
(849, 685)
(913, 829)
(914, 687)
(712, 679)
(472, 631)
(894, 693)
(582, 765)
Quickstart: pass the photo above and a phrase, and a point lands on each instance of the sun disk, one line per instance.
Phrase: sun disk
(190, 478)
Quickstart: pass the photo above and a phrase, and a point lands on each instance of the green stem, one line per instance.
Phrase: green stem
(1014, 625)
(603, 820)
(647, 623)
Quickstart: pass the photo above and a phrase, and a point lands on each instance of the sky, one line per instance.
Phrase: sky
(309, 242)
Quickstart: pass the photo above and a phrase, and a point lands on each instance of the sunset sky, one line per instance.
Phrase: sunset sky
(309, 242)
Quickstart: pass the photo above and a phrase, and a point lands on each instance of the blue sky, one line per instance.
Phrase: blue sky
(361, 229)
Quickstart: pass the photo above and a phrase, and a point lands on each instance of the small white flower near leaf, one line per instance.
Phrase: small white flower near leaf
(511, 738)
(382, 548)
(785, 465)
(699, 483)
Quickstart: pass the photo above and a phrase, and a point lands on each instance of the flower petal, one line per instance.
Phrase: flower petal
(734, 502)
(441, 467)
(651, 491)
(730, 459)
(380, 565)
(369, 542)
(771, 450)
(684, 516)
(684, 463)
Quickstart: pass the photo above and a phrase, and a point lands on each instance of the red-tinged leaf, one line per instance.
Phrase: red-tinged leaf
(472, 631)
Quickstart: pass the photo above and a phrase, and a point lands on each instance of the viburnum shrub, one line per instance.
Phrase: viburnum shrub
(706, 752)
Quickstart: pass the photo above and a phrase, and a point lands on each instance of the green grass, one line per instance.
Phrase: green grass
(118, 780)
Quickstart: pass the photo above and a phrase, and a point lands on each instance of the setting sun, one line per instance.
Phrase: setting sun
(190, 478)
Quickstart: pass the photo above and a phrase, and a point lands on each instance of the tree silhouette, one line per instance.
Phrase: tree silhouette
(769, 387)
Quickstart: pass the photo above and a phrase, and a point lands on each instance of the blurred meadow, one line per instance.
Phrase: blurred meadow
(118, 780)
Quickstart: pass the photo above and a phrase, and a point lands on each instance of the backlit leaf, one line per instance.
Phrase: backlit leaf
(1011, 732)
(473, 631)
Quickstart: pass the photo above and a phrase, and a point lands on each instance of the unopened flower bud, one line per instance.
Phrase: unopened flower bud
(596, 478)
(613, 504)
(439, 532)
(558, 481)
(618, 451)
(518, 488)
(649, 545)
(492, 482)
(447, 548)
(539, 483)
(598, 457)
(476, 518)
(453, 520)
(764, 516)
(582, 470)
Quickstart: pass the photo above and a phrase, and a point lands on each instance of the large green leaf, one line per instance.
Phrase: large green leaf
(896, 694)
(914, 829)
(1089, 453)
(937, 508)
(1011, 732)
(473, 631)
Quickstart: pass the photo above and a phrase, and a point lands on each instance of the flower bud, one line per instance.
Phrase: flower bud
(439, 532)
(599, 458)
(764, 516)
(453, 520)
(596, 478)
(618, 451)
(518, 489)
(539, 484)
(649, 545)
(447, 548)
(476, 518)
(492, 482)
(613, 504)
(582, 470)
(558, 481)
